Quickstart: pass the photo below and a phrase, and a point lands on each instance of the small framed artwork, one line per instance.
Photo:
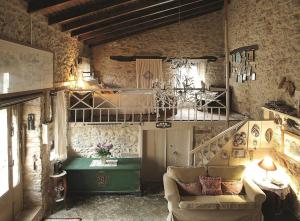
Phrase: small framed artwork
(249, 70)
(244, 77)
(238, 153)
(292, 146)
(250, 56)
(240, 78)
(233, 58)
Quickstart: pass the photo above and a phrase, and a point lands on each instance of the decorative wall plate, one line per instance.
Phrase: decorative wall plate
(269, 135)
(255, 130)
(239, 139)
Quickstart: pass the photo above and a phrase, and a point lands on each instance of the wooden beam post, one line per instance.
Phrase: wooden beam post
(226, 61)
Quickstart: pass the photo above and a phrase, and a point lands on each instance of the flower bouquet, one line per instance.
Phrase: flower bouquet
(103, 150)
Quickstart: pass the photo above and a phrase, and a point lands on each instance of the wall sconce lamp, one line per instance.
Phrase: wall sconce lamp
(31, 122)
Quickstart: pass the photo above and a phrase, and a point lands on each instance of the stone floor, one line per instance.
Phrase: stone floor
(149, 207)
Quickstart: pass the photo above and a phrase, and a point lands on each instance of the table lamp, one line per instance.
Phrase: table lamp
(268, 165)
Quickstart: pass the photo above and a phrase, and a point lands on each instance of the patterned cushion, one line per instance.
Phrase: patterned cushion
(232, 187)
(190, 189)
(210, 185)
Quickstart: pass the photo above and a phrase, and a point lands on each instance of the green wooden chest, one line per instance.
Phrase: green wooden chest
(123, 178)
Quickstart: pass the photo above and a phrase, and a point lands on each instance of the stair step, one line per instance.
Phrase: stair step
(30, 214)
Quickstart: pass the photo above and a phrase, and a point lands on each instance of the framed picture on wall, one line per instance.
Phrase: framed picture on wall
(292, 145)
(238, 153)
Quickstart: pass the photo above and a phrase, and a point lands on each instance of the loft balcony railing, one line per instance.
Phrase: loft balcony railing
(145, 105)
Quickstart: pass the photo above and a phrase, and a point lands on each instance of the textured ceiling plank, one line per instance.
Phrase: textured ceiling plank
(118, 11)
(82, 10)
(184, 11)
(40, 5)
(141, 14)
(144, 27)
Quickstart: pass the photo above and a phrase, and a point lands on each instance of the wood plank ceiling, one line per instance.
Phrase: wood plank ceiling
(100, 21)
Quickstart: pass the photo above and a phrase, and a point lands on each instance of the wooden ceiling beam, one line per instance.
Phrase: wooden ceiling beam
(108, 14)
(113, 36)
(184, 10)
(121, 58)
(40, 5)
(82, 10)
(141, 14)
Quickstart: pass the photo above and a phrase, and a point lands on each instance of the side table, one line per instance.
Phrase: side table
(276, 197)
(59, 190)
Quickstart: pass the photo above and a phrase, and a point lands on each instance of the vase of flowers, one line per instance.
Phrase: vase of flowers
(103, 151)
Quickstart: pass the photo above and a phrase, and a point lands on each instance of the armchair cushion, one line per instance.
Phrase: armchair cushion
(227, 173)
(222, 202)
(191, 189)
(232, 187)
(186, 175)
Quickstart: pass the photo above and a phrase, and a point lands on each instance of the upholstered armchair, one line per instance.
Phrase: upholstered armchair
(246, 207)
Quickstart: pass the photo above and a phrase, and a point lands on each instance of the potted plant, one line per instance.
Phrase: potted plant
(103, 150)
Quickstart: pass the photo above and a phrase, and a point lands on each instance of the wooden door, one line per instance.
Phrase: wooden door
(10, 183)
(179, 143)
(153, 157)
(6, 196)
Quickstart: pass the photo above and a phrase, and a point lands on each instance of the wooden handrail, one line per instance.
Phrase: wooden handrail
(223, 133)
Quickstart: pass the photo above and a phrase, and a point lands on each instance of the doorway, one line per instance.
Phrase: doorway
(11, 195)
(163, 148)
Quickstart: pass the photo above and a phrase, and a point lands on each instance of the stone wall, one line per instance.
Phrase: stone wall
(197, 37)
(16, 25)
(32, 167)
(36, 164)
(274, 26)
(83, 139)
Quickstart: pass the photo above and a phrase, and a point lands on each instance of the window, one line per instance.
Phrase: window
(190, 74)
(4, 181)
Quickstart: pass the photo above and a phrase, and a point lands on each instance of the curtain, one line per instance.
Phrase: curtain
(201, 69)
(60, 127)
(147, 71)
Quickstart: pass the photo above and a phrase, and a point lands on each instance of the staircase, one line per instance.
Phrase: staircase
(208, 150)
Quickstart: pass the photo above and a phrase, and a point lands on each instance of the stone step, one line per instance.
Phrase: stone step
(30, 214)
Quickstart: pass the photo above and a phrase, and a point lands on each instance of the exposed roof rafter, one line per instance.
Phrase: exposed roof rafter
(118, 34)
(100, 21)
(151, 13)
(40, 5)
(108, 14)
(173, 13)
(83, 10)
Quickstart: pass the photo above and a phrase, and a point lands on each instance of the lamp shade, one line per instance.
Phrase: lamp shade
(267, 164)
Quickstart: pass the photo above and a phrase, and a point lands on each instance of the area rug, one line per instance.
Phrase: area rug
(60, 219)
